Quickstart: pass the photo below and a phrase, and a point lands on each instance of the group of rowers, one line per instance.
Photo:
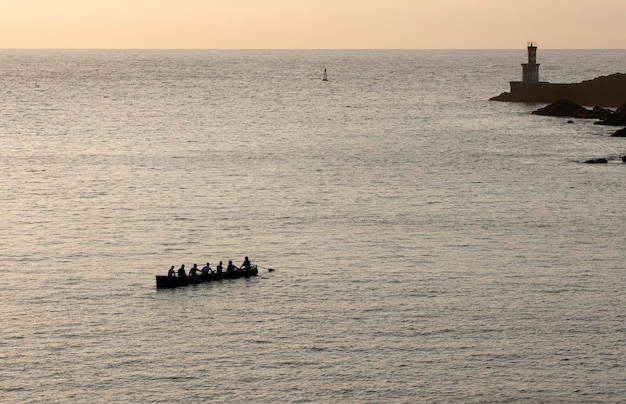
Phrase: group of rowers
(230, 268)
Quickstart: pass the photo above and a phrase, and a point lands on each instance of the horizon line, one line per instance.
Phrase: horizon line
(299, 49)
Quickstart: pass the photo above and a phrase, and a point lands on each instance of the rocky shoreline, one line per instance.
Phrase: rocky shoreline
(603, 91)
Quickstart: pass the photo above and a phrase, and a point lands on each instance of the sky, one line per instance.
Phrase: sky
(312, 24)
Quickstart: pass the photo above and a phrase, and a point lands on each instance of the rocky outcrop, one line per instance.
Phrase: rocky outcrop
(567, 108)
(599, 113)
(618, 118)
(562, 108)
(597, 161)
(619, 133)
(605, 91)
(608, 160)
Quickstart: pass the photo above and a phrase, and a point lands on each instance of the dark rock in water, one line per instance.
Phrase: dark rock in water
(619, 133)
(563, 108)
(624, 159)
(615, 119)
(599, 113)
(597, 161)
(569, 108)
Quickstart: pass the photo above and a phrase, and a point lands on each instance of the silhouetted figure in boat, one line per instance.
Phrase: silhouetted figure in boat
(207, 269)
(181, 271)
(246, 265)
(194, 270)
(171, 273)
(219, 268)
(230, 268)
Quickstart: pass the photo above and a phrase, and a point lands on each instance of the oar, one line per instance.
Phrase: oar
(268, 269)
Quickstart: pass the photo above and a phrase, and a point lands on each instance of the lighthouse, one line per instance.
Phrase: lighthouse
(530, 70)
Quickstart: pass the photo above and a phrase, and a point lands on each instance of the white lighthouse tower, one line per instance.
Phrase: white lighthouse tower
(530, 70)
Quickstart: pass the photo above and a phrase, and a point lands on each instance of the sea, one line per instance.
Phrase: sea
(428, 245)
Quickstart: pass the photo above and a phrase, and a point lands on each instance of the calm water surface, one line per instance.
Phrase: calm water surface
(429, 245)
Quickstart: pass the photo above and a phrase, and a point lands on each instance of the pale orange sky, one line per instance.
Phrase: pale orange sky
(312, 24)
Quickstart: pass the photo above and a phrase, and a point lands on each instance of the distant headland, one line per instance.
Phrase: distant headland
(604, 91)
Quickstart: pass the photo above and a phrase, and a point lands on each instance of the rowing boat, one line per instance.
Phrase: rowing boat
(167, 282)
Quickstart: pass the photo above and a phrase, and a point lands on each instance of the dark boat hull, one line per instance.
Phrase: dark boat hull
(165, 282)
